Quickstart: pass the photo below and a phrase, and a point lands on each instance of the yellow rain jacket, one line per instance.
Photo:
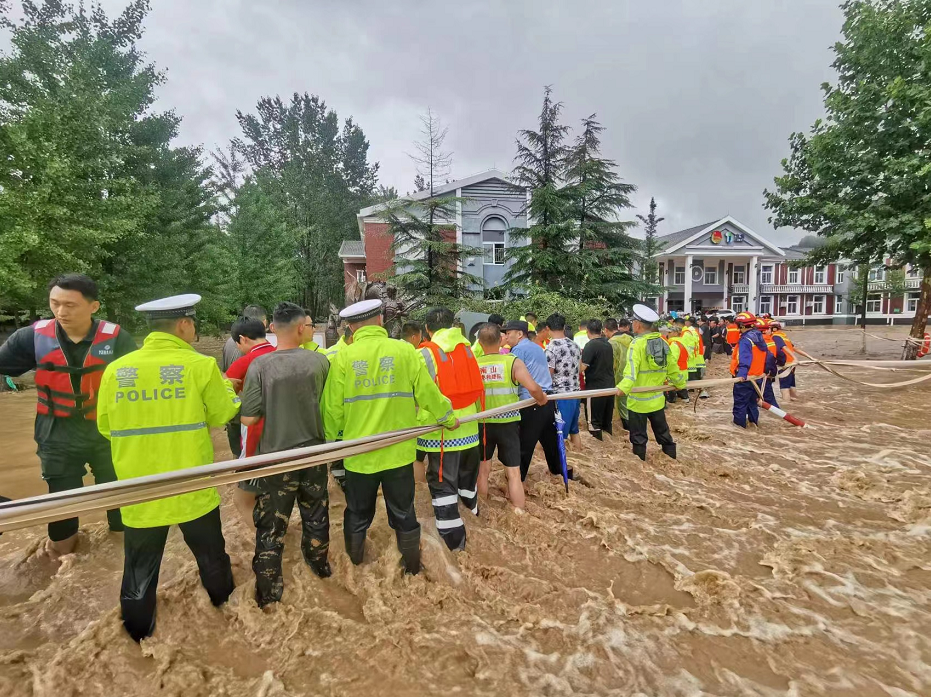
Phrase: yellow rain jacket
(375, 385)
(156, 406)
(643, 371)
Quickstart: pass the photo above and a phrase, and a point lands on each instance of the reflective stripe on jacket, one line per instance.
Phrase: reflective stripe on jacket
(375, 385)
(466, 436)
(500, 387)
(643, 371)
(156, 406)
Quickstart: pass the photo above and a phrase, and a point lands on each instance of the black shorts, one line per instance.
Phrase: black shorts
(503, 436)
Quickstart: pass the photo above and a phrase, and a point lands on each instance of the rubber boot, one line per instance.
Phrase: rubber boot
(641, 452)
(355, 546)
(409, 547)
(670, 450)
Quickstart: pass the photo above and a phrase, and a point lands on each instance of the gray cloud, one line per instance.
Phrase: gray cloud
(698, 97)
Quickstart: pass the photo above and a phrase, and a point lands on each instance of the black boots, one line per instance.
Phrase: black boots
(670, 450)
(355, 546)
(409, 547)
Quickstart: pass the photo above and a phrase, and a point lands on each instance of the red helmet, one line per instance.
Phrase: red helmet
(775, 324)
(745, 318)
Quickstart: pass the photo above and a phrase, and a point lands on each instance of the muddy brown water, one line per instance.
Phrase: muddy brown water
(777, 561)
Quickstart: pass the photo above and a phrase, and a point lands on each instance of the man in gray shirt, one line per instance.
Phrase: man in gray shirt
(285, 388)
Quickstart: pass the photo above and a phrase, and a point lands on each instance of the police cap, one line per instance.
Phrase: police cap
(171, 307)
(362, 310)
(645, 314)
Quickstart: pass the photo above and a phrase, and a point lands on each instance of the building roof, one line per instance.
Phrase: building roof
(352, 249)
(674, 238)
(795, 253)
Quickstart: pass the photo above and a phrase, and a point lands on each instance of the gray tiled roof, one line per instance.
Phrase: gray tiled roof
(352, 248)
(795, 252)
(674, 238)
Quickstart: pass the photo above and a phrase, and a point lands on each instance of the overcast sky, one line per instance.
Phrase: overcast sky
(698, 97)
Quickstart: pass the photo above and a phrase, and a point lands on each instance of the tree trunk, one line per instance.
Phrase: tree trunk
(921, 316)
(863, 295)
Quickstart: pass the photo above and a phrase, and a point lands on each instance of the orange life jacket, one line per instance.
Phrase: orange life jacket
(457, 374)
(757, 361)
(770, 344)
(789, 349)
(732, 335)
(683, 361)
(53, 374)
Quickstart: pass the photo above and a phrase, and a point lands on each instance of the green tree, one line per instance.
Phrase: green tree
(318, 175)
(549, 236)
(605, 254)
(861, 177)
(649, 268)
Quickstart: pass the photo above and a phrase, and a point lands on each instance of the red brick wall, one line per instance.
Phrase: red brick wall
(378, 255)
(349, 271)
(897, 303)
(829, 300)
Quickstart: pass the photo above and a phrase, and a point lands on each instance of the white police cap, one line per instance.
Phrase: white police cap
(645, 314)
(169, 308)
(362, 310)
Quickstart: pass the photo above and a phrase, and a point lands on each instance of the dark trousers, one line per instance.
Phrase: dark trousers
(538, 425)
(745, 404)
(673, 395)
(460, 473)
(272, 511)
(397, 487)
(234, 437)
(769, 395)
(63, 470)
(728, 349)
(638, 432)
(142, 550)
(600, 415)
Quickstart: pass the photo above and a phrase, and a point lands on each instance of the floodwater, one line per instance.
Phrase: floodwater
(777, 561)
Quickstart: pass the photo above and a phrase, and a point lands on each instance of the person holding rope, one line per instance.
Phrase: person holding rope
(751, 358)
(786, 382)
(775, 346)
(649, 364)
(376, 384)
(69, 354)
(156, 406)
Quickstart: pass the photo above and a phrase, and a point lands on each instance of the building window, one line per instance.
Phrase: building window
(820, 275)
(766, 274)
(874, 303)
(792, 305)
(766, 304)
(360, 275)
(841, 272)
(678, 278)
(838, 304)
(817, 305)
(711, 277)
(914, 272)
(911, 302)
(738, 303)
(493, 230)
(793, 277)
(876, 273)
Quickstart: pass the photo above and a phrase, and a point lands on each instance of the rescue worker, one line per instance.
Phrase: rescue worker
(376, 384)
(412, 333)
(501, 374)
(679, 354)
(776, 348)
(344, 341)
(620, 342)
(452, 462)
(748, 361)
(649, 364)
(156, 406)
(69, 354)
(495, 319)
(786, 382)
(338, 468)
(696, 345)
(581, 337)
(731, 336)
(310, 344)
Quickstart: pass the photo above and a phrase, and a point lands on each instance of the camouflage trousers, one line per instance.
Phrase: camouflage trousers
(271, 514)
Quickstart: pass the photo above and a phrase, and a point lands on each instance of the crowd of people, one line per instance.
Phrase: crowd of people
(129, 412)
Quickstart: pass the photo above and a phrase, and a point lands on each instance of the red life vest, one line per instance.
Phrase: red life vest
(53, 374)
(457, 374)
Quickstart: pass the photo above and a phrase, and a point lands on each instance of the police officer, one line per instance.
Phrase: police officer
(156, 405)
(375, 385)
(649, 364)
(69, 354)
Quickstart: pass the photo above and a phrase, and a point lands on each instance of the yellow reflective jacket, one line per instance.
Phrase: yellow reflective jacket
(643, 371)
(466, 436)
(692, 338)
(335, 348)
(156, 406)
(375, 385)
(313, 346)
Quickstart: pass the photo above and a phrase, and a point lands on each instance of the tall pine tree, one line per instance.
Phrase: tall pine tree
(541, 165)
(602, 263)
(649, 268)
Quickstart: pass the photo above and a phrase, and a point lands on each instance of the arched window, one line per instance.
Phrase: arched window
(493, 236)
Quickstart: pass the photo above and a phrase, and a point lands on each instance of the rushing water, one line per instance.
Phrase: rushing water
(777, 561)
